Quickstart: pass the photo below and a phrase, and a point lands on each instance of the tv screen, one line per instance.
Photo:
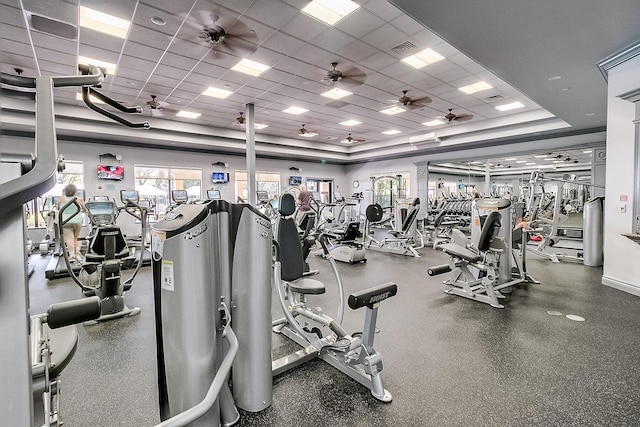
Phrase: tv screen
(295, 180)
(263, 196)
(220, 177)
(111, 172)
(213, 194)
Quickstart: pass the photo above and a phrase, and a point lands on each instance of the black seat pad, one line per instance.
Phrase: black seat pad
(460, 252)
(307, 286)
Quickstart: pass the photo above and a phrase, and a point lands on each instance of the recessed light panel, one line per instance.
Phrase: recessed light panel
(510, 159)
(103, 22)
(521, 161)
(188, 114)
(260, 126)
(434, 123)
(393, 111)
(476, 87)
(295, 110)
(350, 123)
(336, 93)
(217, 93)
(422, 59)
(108, 66)
(330, 11)
(391, 132)
(252, 68)
(511, 106)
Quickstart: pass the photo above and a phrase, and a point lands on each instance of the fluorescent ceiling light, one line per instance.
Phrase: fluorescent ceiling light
(530, 164)
(550, 158)
(558, 161)
(295, 110)
(93, 98)
(511, 106)
(476, 162)
(476, 87)
(188, 114)
(540, 156)
(587, 152)
(422, 59)
(391, 132)
(330, 11)
(521, 161)
(435, 122)
(336, 93)
(252, 68)
(308, 134)
(109, 66)
(103, 22)
(393, 110)
(260, 126)
(350, 123)
(217, 93)
(346, 141)
(510, 159)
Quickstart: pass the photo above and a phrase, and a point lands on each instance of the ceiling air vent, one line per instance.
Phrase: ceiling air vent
(403, 47)
(494, 98)
(53, 27)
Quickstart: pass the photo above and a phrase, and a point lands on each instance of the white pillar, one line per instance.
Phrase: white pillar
(251, 155)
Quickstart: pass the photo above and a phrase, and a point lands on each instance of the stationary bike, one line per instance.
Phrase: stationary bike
(108, 253)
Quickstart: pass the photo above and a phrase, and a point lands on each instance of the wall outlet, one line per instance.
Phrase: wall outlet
(623, 208)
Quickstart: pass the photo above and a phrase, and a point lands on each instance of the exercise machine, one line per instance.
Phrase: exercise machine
(108, 253)
(319, 335)
(53, 342)
(405, 241)
(481, 268)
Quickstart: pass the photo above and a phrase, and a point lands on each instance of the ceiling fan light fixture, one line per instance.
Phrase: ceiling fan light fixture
(336, 93)
(103, 22)
(330, 11)
(393, 111)
(250, 67)
(422, 59)
(217, 93)
(475, 87)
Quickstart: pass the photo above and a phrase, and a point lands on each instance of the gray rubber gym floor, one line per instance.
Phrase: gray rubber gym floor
(448, 361)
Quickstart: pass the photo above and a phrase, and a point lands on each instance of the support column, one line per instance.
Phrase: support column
(251, 155)
(487, 178)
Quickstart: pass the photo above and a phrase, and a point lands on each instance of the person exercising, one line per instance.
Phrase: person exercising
(71, 229)
(304, 201)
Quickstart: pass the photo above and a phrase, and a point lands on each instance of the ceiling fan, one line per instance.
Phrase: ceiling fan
(408, 102)
(349, 76)
(157, 107)
(450, 117)
(240, 119)
(350, 140)
(225, 34)
(303, 131)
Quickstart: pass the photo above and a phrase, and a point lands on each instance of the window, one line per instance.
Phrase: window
(154, 183)
(38, 209)
(265, 181)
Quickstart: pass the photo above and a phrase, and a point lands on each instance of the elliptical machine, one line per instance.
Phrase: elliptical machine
(107, 253)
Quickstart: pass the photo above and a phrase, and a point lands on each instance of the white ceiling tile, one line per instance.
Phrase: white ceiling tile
(283, 43)
(407, 24)
(357, 50)
(268, 13)
(359, 23)
(424, 39)
(385, 37)
(382, 8)
(332, 40)
(454, 74)
(304, 27)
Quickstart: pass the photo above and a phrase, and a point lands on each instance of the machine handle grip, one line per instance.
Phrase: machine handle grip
(71, 312)
(438, 269)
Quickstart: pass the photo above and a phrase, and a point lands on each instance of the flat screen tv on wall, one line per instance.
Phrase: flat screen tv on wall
(111, 172)
(219, 177)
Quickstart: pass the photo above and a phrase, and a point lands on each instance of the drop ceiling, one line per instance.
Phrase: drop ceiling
(171, 62)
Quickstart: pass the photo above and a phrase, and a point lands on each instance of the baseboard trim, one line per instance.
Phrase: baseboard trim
(623, 286)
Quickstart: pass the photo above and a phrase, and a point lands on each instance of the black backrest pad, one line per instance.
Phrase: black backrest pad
(351, 233)
(291, 257)
(287, 204)
(374, 212)
(491, 223)
(107, 236)
(370, 296)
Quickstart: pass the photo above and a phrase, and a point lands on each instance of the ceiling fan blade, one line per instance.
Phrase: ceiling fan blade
(205, 17)
(463, 117)
(349, 82)
(240, 30)
(156, 112)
